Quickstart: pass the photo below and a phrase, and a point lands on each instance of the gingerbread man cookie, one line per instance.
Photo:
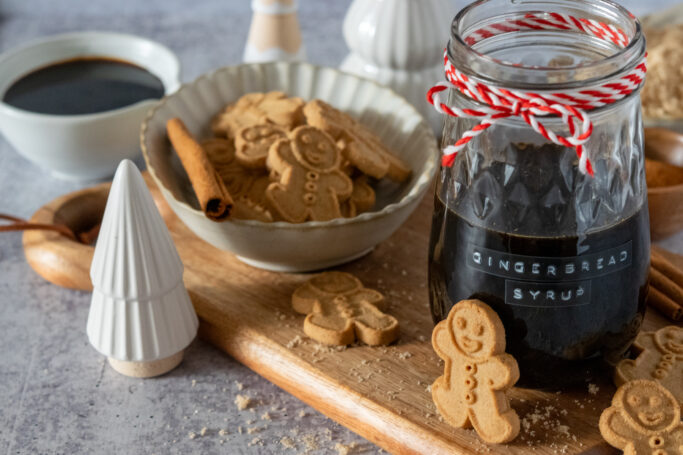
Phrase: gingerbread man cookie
(258, 108)
(477, 372)
(245, 186)
(660, 359)
(340, 310)
(644, 419)
(252, 144)
(362, 148)
(311, 185)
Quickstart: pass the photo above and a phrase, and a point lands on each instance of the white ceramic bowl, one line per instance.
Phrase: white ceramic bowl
(283, 246)
(81, 147)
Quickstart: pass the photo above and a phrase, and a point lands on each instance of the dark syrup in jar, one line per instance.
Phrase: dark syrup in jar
(570, 304)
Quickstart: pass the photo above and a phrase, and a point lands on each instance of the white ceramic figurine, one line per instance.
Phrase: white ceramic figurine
(399, 43)
(141, 316)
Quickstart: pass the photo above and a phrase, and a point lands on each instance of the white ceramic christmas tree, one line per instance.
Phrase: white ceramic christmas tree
(141, 316)
(399, 43)
(274, 33)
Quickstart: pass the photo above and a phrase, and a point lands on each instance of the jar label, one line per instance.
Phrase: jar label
(549, 281)
(529, 293)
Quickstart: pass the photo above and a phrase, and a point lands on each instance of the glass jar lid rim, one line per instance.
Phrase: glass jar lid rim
(622, 60)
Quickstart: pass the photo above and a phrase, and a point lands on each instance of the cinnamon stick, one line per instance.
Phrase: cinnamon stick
(663, 303)
(213, 196)
(666, 286)
(665, 266)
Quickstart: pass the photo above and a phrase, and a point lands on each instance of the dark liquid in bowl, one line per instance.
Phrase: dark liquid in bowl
(83, 86)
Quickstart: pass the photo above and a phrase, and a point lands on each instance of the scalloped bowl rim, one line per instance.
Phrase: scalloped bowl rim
(417, 190)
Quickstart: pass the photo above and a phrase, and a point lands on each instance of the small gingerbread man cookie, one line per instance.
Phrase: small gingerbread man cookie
(477, 372)
(660, 359)
(258, 108)
(252, 144)
(361, 147)
(644, 419)
(311, 185)
(339, 310)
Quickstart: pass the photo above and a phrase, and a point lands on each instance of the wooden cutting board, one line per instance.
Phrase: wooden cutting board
(380, 393)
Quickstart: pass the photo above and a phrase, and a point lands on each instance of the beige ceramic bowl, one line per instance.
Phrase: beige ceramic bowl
(283, 246)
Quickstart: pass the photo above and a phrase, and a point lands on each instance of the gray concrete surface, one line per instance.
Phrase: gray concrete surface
(57, 395)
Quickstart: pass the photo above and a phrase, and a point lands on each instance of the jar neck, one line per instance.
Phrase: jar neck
(542, 59)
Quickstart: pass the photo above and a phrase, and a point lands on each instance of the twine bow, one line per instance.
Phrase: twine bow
(571, 106)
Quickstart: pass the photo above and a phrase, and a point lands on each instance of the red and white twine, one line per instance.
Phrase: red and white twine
(569, 105)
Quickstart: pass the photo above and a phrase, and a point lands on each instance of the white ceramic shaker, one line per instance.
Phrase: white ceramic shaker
(274, 33)
(399, 43)
(141, 316)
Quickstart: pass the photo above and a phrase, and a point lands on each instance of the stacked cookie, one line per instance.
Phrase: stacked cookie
(283, 159)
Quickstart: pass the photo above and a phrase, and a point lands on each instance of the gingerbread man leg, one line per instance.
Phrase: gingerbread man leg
(374, 327)
(494, 427)
(326, 208)
(285, 204)
(455, 413)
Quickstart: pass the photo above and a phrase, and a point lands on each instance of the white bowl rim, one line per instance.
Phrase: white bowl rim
(22, 113)
(422, 180)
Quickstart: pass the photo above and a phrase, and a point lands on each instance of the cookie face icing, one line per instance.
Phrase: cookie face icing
(648, 407)
(670, 339)
(476, 334)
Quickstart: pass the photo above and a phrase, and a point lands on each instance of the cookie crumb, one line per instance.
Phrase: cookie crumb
(194, 382)
(593, 389)
(311, 442)
(302, 413)
(295, 342)
(242, 402)
(405, 355)
(192, 435)
(344, 449)
(239, 385)
(222, 432)
(203, 431)
(265, 416)
(252, 430)
(287, 443)
(255, 442)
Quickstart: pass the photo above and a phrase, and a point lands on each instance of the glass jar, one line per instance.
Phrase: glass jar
(563, 257)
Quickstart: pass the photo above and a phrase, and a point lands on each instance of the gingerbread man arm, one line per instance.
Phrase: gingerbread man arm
(306, 299)
(616, 431)
(626, 370)
(370, 296)
(645, 341)
(442, 340)
(341, 184)
(676, 437)
(501, 371)
(280, 156)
